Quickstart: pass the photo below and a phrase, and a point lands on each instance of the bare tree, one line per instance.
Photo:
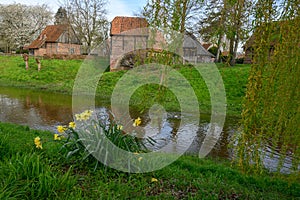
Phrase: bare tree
(20, 24)
(88, 19)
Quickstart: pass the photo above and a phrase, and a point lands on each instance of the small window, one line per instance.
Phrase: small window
(72, 51)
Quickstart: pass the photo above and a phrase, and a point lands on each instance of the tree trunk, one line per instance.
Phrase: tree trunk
(26, 58)
(183, 16)
(39, 63)
(230, 59)
(218, 58)
(238, 22)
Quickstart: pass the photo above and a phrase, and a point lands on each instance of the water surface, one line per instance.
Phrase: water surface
(44, 111)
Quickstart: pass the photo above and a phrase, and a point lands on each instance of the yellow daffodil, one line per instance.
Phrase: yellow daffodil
(38, 143)
(137, 122)
(154, 180)
(72, 125)
(61, 129)
(57, 137)
(140, 158)
(78, 117)
(120, 127)
(136, 153)
(88, 112)
(84, 116)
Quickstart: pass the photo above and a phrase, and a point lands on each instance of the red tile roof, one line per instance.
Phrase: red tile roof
(49, 34)
(206, 45)
(122, 24)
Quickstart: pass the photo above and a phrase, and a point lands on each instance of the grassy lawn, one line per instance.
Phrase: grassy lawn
(30, 173)
(59, 75)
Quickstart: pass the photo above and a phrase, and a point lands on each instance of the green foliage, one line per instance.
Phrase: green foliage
(40, 180)
(271, 114)
(30, 173)
(4, 147)
(27, 172)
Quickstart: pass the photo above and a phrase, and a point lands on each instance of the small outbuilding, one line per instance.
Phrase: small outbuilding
(194, 52)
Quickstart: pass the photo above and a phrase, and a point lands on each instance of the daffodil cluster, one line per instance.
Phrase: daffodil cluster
(84, 116)
(62, 129)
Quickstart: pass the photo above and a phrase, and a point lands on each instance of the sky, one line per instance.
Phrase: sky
(115, 7)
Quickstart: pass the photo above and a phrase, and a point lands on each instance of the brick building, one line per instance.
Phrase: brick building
(55, 39)
(58, 39)
(127, 34)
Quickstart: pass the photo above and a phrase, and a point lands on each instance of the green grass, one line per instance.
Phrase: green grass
(30, 173)
(59, 75)
(55, 76)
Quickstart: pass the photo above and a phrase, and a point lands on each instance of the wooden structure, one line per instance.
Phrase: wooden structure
(194, 52)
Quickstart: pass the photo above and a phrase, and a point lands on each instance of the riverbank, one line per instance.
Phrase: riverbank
(58, 76)
(30, 173)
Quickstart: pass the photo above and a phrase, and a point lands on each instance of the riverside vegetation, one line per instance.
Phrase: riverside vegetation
(41, 171)
(28, 172)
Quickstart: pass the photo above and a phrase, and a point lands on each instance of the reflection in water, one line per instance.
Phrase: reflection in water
(37, 110)
(47, 110)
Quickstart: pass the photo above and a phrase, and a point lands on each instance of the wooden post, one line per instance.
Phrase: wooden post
(26, 58)
(39, 63)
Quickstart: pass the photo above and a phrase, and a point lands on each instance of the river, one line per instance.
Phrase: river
(45, 111)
